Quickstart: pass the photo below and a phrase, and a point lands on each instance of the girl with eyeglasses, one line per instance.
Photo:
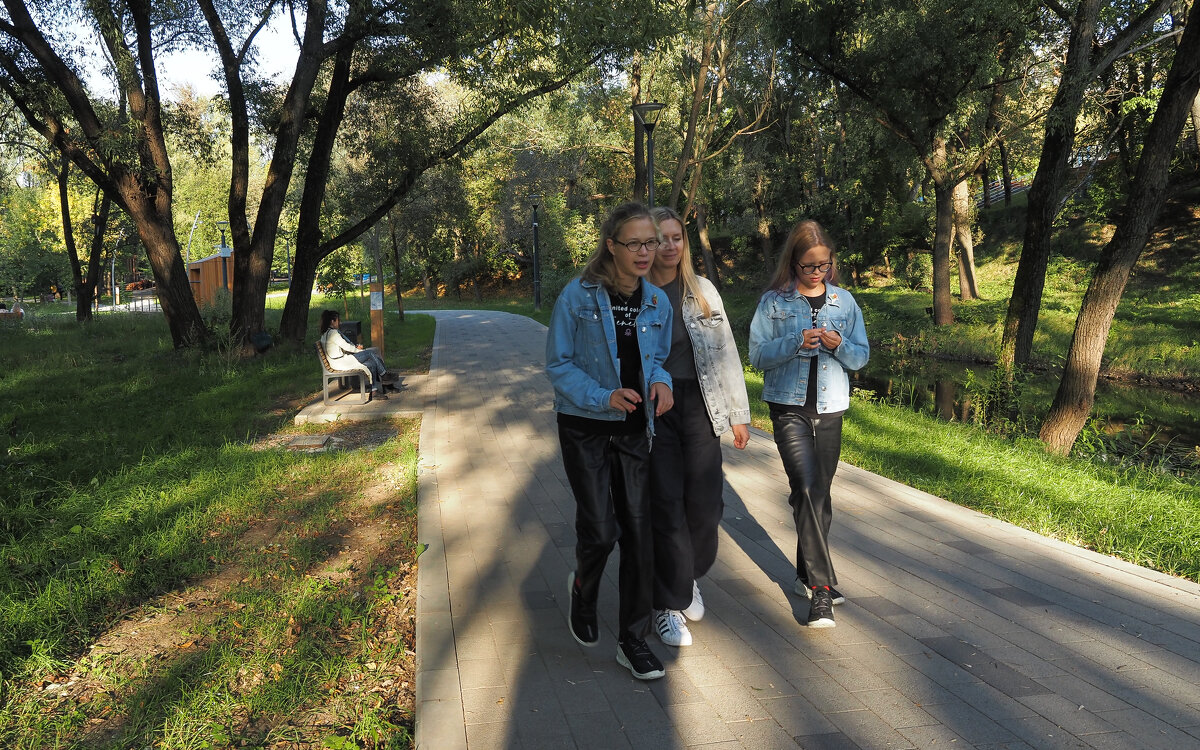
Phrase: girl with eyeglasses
(709, 386)
(609, 337)
(805, 336)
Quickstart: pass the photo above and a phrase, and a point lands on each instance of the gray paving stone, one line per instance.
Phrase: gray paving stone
(961, 630)
(599, 731)
(798, 717)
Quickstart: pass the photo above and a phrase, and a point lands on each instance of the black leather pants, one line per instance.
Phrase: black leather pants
(810, 448)
(609, 476)
(686, 503)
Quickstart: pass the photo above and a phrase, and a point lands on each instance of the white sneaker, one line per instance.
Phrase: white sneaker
(695, 610)
(672, 628)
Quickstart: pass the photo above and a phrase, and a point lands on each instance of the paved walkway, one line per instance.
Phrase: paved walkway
(960, 631)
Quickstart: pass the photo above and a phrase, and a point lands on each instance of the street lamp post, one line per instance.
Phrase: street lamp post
(647, 113)
(225, 251)
(537, 264)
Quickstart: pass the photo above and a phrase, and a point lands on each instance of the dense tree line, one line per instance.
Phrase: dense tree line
(421, 131)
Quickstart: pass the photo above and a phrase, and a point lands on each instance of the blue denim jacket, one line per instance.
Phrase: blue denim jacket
(775, 337)
(581, 349)
(718, 364)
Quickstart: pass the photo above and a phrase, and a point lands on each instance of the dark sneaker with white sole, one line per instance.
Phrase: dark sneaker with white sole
(803, 589)
(582, 617)
(820, 612)
(636, 656)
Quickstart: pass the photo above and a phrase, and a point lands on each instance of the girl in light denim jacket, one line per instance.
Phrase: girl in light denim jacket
(709, 387)
(609, 336)
(805, 336)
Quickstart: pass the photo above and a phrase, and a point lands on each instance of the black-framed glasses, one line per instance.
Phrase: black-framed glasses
(634, 246)
(814, 268)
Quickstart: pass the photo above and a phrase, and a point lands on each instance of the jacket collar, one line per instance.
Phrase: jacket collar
(649, 291)
(833, 294)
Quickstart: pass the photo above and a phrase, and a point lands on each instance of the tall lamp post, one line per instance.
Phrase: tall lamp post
(225, 251)
(647, 113)
(537, 263)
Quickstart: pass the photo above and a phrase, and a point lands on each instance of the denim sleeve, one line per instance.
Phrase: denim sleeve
(855, 350)
(568, 379)
(655, 372)
(768, 350)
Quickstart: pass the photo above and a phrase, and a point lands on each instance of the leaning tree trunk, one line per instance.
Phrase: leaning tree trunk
(85, 286)
(1020, 322)
(396, 265)
(706, 252)
(293, 324)
(968, 288)
(1077, 390)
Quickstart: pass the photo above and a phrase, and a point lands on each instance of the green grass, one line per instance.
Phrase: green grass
(139, 489)
(1145, 517)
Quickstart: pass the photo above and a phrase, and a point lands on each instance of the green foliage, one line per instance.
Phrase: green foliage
(914, 270)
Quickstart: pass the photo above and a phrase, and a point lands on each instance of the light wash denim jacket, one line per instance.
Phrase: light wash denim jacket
(581, 350)
(775, 337)
(718, 365)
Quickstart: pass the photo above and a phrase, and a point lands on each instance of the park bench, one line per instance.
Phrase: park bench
(15, 314)
(359, 372)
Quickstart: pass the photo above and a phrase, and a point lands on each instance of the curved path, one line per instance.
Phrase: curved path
(960, 631)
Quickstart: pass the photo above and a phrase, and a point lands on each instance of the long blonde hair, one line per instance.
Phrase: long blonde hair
(600, 267)
(803, 237)
(688, 282)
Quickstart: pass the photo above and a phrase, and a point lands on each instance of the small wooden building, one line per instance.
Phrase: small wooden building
(207, 275)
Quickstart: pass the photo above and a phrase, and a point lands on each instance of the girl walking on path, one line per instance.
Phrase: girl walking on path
(709, 387)
(805, 336)
(609, 336)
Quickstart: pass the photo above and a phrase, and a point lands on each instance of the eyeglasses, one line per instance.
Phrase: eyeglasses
(816, 268)
(634, 246)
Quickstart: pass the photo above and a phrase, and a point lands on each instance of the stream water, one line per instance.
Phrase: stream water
(1155, 422)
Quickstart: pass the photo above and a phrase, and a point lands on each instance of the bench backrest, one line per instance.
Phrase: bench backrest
(358, 367)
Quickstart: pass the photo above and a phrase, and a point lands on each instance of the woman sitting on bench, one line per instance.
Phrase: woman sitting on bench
(337, 348)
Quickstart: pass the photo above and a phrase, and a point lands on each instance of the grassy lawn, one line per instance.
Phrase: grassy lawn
(171, 574)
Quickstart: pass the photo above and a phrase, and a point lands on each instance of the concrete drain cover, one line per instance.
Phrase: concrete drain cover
(308, 442)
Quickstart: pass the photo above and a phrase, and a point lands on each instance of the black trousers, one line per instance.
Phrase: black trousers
(608, 476)
(809, 447)
(686, 504)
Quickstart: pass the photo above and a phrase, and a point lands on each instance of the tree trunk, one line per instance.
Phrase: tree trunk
(1077, 390)
(253, 252)
(943, 313)
(943, 191)
(639, 146)
(396, 265)
(699, 91)
(967, 286)
(86, 288)
(1196, 125)
(706, 252)
(1006, 173)
(1020, 322)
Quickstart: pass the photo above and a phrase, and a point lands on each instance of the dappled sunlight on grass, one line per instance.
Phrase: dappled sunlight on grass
(1148, 519)
(175, 576)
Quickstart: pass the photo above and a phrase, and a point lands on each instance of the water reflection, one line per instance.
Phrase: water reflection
(951, 389)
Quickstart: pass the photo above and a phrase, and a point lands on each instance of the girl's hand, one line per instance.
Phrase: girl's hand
(662, 397)
(625, 399)
(812, 338)
(741, 436)
(831, 339)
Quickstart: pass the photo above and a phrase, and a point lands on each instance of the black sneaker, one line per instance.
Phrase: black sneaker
(820, 612)
(803, 589)
(636, 656)
(582, 618)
